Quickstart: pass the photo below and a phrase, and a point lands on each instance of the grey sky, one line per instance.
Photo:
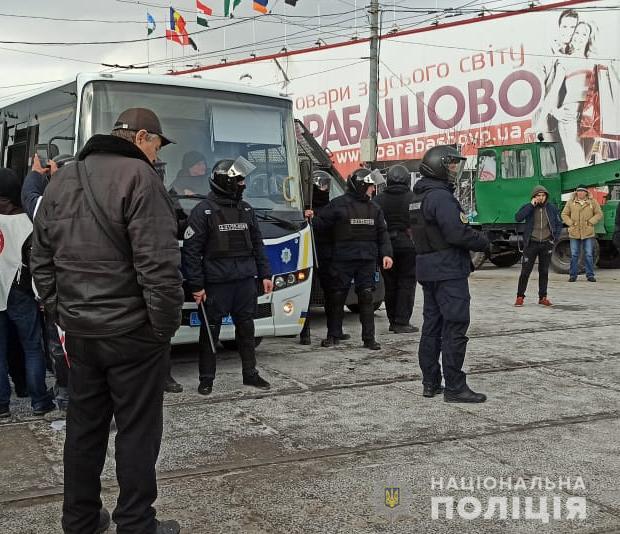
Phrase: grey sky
(126, 20)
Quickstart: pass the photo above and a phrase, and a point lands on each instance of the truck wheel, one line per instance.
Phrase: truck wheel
(560, 259)
(231, 344)
(507, 258)
(478, 259)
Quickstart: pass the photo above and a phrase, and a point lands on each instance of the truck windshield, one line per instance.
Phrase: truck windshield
(208, 125)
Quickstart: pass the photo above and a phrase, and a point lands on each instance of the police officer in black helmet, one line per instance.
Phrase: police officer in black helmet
(361, 242)
(223, 257)
(397, 201)
(443, 240)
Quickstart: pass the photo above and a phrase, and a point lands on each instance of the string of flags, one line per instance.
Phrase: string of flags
(177, 30)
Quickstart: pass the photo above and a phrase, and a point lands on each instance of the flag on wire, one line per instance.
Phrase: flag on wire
(177, 31)
(228, 9)
(150, 24)
(204, 11)
(261, 5)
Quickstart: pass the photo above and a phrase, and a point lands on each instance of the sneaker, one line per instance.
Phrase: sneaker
(256, 381)
(519, 301)
(172, 386)
(572, 278)
(544, 301)
(592, 279)
(42, 411)
(330, 341)
(371, 344)
(104, 521)
(205, 387)
(4, 411)
(168, 527)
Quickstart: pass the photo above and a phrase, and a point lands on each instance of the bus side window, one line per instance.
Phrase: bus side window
(517, 163)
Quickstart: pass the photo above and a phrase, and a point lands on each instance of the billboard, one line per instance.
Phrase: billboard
(496, 80)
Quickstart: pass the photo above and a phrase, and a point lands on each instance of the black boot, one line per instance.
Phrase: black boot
(205, 387)
(403, 328)
(371, 344)
(104, 521)
(256, 381)
(304, 335)
(343, 337)
(467, 395)
(330, 341)
(430, 390)
(172, 386)
(334, 310)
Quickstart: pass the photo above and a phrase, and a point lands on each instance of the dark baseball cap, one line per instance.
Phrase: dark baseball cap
(141, 119)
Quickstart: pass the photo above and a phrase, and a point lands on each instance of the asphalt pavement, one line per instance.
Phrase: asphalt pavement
(344, 442)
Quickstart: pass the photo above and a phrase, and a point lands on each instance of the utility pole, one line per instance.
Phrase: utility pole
(369, 145)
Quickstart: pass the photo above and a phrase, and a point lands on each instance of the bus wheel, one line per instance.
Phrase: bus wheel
(231, 344)
(506, 258)
(560, 259)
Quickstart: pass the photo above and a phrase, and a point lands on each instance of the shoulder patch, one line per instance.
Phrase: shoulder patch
(207, 212)
(463, 218)
(189, 233)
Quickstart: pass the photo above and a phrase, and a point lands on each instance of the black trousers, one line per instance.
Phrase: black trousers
(400, 284)
(325, 279)
(446, 320)
(542, 251)
(238, 299)
(362, 274)
(121, 376)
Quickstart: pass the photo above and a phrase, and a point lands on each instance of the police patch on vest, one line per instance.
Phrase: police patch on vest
(370, 222)
(463, 218)
(189, 232)
(232, 227)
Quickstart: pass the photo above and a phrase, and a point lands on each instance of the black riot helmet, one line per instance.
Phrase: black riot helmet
(321, 185)
(443, 163)
(398, 175)
(362, 179)
(226, 175)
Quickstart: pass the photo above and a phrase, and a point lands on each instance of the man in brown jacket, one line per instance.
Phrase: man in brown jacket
(580, 214)
(106, 263)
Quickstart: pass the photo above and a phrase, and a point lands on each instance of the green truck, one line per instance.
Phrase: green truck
(504, 178)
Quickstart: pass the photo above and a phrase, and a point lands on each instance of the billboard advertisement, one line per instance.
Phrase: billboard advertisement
(496, 80)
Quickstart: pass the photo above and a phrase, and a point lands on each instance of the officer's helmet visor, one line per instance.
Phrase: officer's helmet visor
(454, 166)
(240, 168)
(377, 177)
(322, 180)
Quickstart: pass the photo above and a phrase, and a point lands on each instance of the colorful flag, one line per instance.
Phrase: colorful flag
(177, 31)
(227, 7)
(203, 12)
(261, 5)
(150, 24)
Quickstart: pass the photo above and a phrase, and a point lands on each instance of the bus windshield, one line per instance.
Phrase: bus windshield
(208, 125)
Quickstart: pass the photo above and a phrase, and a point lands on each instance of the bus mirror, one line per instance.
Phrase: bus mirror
(306, 170)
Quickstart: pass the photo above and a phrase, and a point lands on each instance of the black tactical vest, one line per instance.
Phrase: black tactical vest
(426, 234)
(359, 224)
(229, 232)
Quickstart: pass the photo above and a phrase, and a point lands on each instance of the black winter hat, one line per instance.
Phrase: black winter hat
(10, 186)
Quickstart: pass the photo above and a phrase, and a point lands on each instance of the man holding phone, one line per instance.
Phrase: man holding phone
(541, 231)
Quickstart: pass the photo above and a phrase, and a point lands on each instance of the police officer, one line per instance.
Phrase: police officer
(323, 245)
(396, 201)
(443, 240)
(360, 241)
(223, 257)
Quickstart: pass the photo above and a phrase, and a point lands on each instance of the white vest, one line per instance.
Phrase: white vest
(14, 230)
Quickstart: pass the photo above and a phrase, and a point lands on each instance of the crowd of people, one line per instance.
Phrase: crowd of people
(100, 240)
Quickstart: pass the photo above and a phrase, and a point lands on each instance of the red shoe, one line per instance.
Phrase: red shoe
(544, 302)
(519, 301)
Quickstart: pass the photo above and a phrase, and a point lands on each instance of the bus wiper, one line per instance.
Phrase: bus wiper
(263, 216)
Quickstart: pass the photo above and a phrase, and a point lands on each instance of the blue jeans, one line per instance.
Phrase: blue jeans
(23, 312)
(588, 250)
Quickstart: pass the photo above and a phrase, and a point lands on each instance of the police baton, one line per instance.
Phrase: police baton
(205, 321)
(314, 253)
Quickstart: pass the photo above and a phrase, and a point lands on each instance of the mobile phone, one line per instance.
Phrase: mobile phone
(43, 159)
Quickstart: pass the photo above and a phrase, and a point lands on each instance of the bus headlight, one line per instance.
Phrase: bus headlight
(284, 280)
(288, 307)
(291, 279)
(279, 283)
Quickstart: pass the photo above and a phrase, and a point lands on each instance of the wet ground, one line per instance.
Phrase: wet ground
(345, 443)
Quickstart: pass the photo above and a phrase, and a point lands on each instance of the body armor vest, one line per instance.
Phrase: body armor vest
(426, 234)
(229, 232)
(359, 224)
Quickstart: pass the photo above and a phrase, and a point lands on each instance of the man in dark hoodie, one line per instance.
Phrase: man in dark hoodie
(541, 230)
(396, 201)
(17, 302)
(106, 264)
(223, 260)
(361, 242)
(443, 239)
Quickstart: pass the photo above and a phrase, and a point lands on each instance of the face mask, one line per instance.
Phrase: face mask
(240, 190)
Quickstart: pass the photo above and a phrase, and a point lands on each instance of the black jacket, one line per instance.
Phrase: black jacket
(526, 213)
(93, 288)
(396, 201)
(200, 271)
(335, 213)
(440, 208)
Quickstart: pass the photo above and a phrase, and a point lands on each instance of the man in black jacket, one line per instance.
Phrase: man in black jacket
(443, 239)
(396, 203)
(106, 264)
(361, 242)
(223, 260)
